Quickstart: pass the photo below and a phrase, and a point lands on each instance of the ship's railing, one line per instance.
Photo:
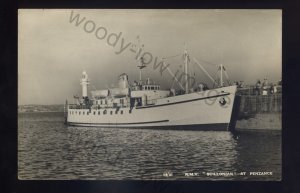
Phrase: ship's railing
(75, 106)
(253, 90)
(95, 107)
(109, 106)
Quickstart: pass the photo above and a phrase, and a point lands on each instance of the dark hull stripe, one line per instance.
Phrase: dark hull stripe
(183, 101)
(161, 121)
(196, 127)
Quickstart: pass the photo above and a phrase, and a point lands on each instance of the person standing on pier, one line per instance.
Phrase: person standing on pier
(258, 87)
(265, 87)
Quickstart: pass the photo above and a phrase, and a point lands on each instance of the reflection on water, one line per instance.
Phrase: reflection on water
(50, 150)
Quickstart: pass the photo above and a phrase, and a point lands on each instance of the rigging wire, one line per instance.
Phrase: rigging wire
(217, 78)
(194, 70)
(171, 56)
(194, 74)
(210, 63)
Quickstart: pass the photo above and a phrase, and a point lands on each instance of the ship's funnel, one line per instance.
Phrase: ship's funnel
(84, 83)
(123, 81)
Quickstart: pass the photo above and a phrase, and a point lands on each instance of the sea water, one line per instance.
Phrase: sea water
(50, 150)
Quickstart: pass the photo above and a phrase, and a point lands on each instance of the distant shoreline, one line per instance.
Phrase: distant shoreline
(42, 112)
(40, 108)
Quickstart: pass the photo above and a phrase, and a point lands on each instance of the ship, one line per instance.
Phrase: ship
(144, 104)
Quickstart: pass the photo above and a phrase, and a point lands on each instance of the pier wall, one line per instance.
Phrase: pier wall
(259, 112)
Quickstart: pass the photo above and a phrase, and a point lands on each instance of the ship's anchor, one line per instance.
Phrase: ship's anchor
(222, 101)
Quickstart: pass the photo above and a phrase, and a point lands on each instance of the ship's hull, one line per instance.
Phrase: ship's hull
(207, 110)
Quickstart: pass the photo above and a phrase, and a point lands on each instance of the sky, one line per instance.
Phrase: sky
(55, 46)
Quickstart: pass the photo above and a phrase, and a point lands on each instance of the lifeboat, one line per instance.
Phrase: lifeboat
(100, 93)
(119, 92)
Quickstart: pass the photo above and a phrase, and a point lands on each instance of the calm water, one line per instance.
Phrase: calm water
(47, 149)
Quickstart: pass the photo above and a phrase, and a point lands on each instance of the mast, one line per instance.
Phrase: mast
(140, 74)
(141, 63)
(221, 75)
(186, 71)
(141, 66)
